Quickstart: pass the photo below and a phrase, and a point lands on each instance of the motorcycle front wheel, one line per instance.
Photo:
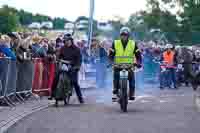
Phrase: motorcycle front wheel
(124, 96)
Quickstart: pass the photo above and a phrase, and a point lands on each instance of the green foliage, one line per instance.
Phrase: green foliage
(182, 27)
(8, 20)
(40, 18)
(59, 23)
(25, 18)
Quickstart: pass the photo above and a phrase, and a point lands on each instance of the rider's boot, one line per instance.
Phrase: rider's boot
(175, 86)
(82, 102)
(65, 101)
(115, 95)
(56, 103)
(132, 94)
(194, 86)
(50, 98)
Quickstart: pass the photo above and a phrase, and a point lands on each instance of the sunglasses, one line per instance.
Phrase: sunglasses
(124, 34)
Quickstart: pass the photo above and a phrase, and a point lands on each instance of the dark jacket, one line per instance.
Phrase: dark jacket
(20, 54)
(51, 54)
(71, 54)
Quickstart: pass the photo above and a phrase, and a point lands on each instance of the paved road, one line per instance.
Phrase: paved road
(161, 112)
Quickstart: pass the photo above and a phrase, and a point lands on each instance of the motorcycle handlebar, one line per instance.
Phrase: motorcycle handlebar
(64, 61)
(123, 66)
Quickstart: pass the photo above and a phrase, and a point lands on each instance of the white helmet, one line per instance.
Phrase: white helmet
(197, 51)
(154, 46)
(177, 47)
(169, 46)
(125, 30)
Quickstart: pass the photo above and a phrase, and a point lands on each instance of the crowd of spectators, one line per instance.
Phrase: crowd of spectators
(25, 46)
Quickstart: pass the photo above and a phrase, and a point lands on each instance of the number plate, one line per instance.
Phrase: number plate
(124, 74)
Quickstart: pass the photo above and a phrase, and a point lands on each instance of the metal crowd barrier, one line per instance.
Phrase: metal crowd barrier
(25, 74)
(4, 71)
(11, 82)
(19, 79)
(8, 76)
(30, 77)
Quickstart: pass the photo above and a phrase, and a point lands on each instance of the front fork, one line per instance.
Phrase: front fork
(123, 76)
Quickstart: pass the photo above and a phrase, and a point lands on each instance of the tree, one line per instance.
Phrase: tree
(59, 23)
(159, 16)
(135, 21)
(189, 19)
(138, 26)
(8, 20)
(40, 18)
(191, 14)
(25, 18)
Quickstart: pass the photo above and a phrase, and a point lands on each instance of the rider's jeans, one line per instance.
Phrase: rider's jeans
(171, 77)
(131, 78)
(187, 72)
(74, 78)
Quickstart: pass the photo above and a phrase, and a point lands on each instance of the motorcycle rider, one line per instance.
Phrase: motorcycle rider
(70, 53)
(196, 73)
(125, 46)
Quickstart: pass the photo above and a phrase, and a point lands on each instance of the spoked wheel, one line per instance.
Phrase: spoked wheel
(124, 96)
(194, 85)
(61, 92)
(67, 99)
(56, 103)
(197, 100)
(67, 89)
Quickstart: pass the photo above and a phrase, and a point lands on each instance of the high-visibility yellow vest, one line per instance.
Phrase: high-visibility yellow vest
(127, 52)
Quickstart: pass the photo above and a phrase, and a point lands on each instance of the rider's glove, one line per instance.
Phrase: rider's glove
(65, 67)
(74, 68)
(138, 65)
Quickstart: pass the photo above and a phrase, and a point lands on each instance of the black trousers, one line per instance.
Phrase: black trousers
(74, 77)
(189, 78)
(131, 78)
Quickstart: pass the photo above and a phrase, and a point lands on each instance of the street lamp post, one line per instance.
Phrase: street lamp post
(91, 24)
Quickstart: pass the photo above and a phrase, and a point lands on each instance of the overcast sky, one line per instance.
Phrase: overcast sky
(71, 9)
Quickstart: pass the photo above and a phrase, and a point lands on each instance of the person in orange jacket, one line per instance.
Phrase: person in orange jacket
(169, 60)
